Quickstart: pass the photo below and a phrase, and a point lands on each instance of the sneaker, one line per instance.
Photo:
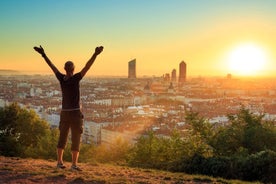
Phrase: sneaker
(61, 166)
(75, 168)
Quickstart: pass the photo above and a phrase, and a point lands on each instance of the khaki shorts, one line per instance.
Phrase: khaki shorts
(70, 120)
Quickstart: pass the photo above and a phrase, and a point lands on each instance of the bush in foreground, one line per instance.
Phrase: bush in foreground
(260, 166)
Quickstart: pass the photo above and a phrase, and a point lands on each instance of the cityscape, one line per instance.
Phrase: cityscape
(128, 107)
(182, 89)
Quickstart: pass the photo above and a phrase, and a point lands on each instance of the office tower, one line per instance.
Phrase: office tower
(182, 72)
(166, 77)
(174, 75)
(132, 69)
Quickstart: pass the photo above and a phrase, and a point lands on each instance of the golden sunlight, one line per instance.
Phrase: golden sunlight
(247, 59)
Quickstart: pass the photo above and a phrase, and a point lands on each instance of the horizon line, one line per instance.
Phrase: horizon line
(42, 73)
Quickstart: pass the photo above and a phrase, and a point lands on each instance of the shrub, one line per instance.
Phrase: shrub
(260, 166)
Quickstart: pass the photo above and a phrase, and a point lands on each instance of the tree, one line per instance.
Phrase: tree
(8, 129)
(246, 133)
(200, 135)
(24, 134)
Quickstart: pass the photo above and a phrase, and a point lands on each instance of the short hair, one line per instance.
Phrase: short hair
(69, 66)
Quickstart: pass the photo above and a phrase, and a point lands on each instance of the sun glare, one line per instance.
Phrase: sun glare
(247, 59)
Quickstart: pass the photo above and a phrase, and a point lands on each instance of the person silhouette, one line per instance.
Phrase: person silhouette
(71, 117)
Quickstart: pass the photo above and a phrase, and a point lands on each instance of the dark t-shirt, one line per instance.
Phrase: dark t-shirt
(70, 91)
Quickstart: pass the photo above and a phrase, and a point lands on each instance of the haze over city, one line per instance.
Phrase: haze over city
(213, 37)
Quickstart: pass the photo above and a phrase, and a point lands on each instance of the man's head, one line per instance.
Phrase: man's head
(69, 67)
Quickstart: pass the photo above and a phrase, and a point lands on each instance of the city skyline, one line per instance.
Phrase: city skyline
(215, 38)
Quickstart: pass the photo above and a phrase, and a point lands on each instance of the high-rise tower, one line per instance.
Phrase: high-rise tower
(173, 79)
(182, 72)
(132, 69)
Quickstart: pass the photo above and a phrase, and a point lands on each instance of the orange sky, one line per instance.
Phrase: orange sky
(158, 34)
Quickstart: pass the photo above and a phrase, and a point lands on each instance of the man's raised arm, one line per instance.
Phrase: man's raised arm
(40, 50)
(89, 63)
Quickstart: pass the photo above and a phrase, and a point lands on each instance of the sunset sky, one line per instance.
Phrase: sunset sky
(206, 34)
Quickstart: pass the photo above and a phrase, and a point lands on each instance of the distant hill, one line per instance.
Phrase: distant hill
(18, 170)
(9, 72)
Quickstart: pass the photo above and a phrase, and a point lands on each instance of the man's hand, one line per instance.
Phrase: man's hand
(40, 50)
(89, 63)
(98, 50)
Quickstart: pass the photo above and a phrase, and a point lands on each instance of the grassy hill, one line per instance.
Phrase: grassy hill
(18, 170)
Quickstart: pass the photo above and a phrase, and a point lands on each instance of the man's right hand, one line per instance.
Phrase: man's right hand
(40, 50)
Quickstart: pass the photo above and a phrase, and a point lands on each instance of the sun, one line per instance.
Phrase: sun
(247, 59)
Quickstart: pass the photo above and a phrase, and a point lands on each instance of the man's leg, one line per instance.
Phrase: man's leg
(75, 157)
(63, 134)
(75, 149)
(60, 158)
(60, 155)
(76, 131)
